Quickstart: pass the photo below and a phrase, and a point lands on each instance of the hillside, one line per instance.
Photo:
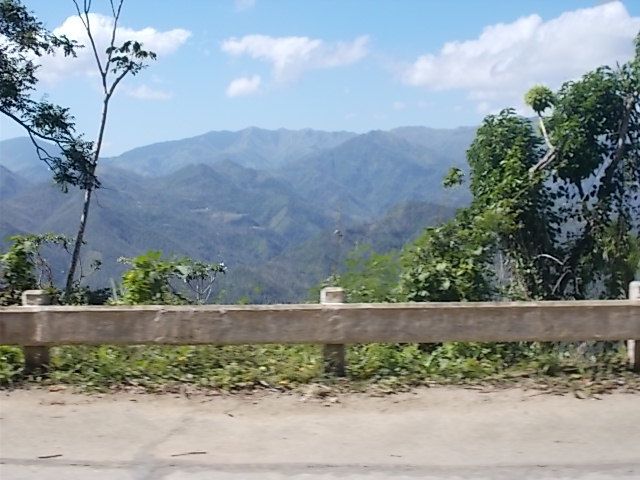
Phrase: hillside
(11, 184)
(273, 226)
(18, 155)
(370, 173)
(293, 273)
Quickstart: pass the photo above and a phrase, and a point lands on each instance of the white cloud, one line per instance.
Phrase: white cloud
(144, 92)
(289, 57)
(244, 86)
(56, 67)
(242, 5)
(399, 105)
(499, 66)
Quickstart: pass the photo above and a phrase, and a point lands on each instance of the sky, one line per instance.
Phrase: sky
(354, 65)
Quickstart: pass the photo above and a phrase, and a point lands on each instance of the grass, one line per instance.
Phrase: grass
(285, 367)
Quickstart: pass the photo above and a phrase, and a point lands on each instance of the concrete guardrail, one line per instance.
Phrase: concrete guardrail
(37, 326)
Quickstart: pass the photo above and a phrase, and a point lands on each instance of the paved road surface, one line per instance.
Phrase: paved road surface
(437, 433)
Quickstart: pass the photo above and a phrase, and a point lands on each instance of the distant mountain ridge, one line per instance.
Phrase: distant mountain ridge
(252, 147)
(265, 202)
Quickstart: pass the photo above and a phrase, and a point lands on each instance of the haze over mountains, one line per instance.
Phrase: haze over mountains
(264, 202)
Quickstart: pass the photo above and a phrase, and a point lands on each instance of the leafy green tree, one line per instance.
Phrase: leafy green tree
(451, 262)
(24, 39)
(23, 267)
(198, 278)
(148, 280)
(593, 159)
(370, 277)
(539, 98)
(500, 157)
(559, 207)
(156, 280)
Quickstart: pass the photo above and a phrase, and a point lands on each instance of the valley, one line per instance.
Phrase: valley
(267, 203)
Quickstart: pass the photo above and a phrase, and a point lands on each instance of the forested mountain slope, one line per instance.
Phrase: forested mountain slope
(264, 202)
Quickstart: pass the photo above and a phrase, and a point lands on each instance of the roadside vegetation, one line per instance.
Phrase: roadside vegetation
(373, 368)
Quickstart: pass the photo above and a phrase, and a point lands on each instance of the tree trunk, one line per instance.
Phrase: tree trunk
(75, 256)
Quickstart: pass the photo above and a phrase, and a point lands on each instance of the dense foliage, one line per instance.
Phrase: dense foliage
(369, 276)
(157, 281)
(24, 40)
(23, 267)
(555, 212)
(449, 263)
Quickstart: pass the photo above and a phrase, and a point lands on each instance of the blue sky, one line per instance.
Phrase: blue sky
(329, 64)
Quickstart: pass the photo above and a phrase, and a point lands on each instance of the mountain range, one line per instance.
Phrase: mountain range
(266, 202)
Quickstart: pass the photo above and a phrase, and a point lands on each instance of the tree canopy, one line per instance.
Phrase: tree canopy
(25, 40)
(555, 211)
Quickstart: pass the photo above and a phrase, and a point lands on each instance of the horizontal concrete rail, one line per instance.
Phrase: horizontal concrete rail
(324, 324)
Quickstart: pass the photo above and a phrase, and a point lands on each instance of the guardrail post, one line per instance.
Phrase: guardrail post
(633, 346)
(334, 354)
(36, 359)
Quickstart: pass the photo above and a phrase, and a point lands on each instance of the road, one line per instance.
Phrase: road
(436, 433)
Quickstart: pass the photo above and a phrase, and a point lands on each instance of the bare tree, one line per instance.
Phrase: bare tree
(116, 63)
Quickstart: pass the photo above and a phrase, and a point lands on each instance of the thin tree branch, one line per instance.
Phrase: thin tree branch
(116, 17)
(546, 255)
(117, 81)
(34, 133)
(47, 157)
(548, 158)
(543, 129)
(87, 26)
(551, 155)
(560, 281)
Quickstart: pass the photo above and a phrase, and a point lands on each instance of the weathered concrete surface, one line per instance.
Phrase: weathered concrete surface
(324, 324)
(433, 433)
(36, 359)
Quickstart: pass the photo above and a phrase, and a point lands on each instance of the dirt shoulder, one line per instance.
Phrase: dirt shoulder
(427, 428)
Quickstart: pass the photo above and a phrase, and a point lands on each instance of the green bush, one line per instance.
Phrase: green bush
(22, 266)
(11, 364)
